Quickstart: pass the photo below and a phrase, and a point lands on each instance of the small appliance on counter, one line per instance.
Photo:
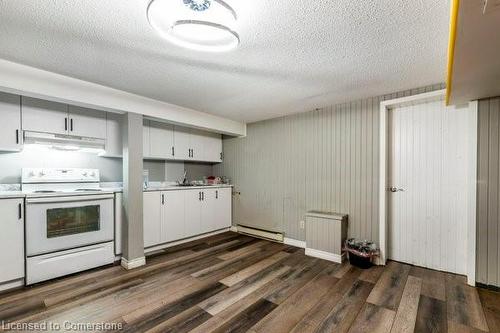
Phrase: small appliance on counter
(212, 180)
(145, 178)
(69, 222)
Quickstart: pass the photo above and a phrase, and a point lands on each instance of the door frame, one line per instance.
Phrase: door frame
(387, 105)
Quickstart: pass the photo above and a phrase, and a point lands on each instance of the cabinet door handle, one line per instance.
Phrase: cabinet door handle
(216, 194)
(221, 156)
(203, 196)
(20, 211)
(163, 199)
(17, 136)
(199, 196)
(65, 124)
(173, 151)
(71, 125)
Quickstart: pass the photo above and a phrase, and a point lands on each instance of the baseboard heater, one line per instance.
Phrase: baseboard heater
(265, 234)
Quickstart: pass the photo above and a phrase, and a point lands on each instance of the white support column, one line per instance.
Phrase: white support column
(132, 232)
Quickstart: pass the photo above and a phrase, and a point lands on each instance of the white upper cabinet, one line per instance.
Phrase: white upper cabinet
(10, 135)
(11, 239)
(161, 142)
(213, 147)
(114, 142)
(44, 116)
(197, 145)
(86, 122)
(182, 143)
(50, 117)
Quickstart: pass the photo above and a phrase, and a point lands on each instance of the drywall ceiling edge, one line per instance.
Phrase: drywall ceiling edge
(33, 82)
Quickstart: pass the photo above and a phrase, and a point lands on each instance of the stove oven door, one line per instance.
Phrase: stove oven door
(60, 223)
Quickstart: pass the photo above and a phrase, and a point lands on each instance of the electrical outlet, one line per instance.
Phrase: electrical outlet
(302, 224)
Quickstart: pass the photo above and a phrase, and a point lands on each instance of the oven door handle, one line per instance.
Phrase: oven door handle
(74, 198)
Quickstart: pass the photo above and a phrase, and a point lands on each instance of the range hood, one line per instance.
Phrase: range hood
(63, 142)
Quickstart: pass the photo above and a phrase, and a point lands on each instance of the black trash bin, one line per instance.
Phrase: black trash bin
(361, 252)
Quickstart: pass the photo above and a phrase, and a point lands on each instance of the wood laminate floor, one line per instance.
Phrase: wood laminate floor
(235, 283)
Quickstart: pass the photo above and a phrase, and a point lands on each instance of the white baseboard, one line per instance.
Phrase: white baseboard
(156, 248)
(133, 263)
(269, 235)
(295, 242)
(12, 284)
(324, 255)
(233, 228)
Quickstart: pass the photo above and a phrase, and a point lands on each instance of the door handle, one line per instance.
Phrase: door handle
(163, 199)
(65, 124)
(395, 189)
(199, 196)
(216, 194)
(20, 211)
(71, 125)
(173, 151)
(17, 136)
(203, 196)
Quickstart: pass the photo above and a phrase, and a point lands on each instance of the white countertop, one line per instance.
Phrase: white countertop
(105, 190)
(174, 187)
(11, 194)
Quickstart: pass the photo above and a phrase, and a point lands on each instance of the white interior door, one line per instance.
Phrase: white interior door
(429, 160)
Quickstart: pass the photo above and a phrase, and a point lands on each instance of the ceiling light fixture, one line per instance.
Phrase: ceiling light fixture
(203, 25)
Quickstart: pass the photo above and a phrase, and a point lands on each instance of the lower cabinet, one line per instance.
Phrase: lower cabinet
(223, 211)
(152, 218)
(174, 215)
(192, 207)
(11, 239)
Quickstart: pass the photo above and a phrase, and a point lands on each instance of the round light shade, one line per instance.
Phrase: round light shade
(204, 25)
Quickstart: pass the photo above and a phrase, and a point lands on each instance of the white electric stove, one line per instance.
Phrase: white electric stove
(69, 222)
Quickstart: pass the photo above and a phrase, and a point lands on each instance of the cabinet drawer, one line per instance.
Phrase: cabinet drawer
(58, 264)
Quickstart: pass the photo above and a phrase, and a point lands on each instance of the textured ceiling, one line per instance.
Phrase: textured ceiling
(295, 55)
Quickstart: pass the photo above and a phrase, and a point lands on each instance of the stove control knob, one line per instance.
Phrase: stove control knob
(84, 174)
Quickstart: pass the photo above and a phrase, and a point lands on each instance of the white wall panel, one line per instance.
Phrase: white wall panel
(488, 200)
(326, 159)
